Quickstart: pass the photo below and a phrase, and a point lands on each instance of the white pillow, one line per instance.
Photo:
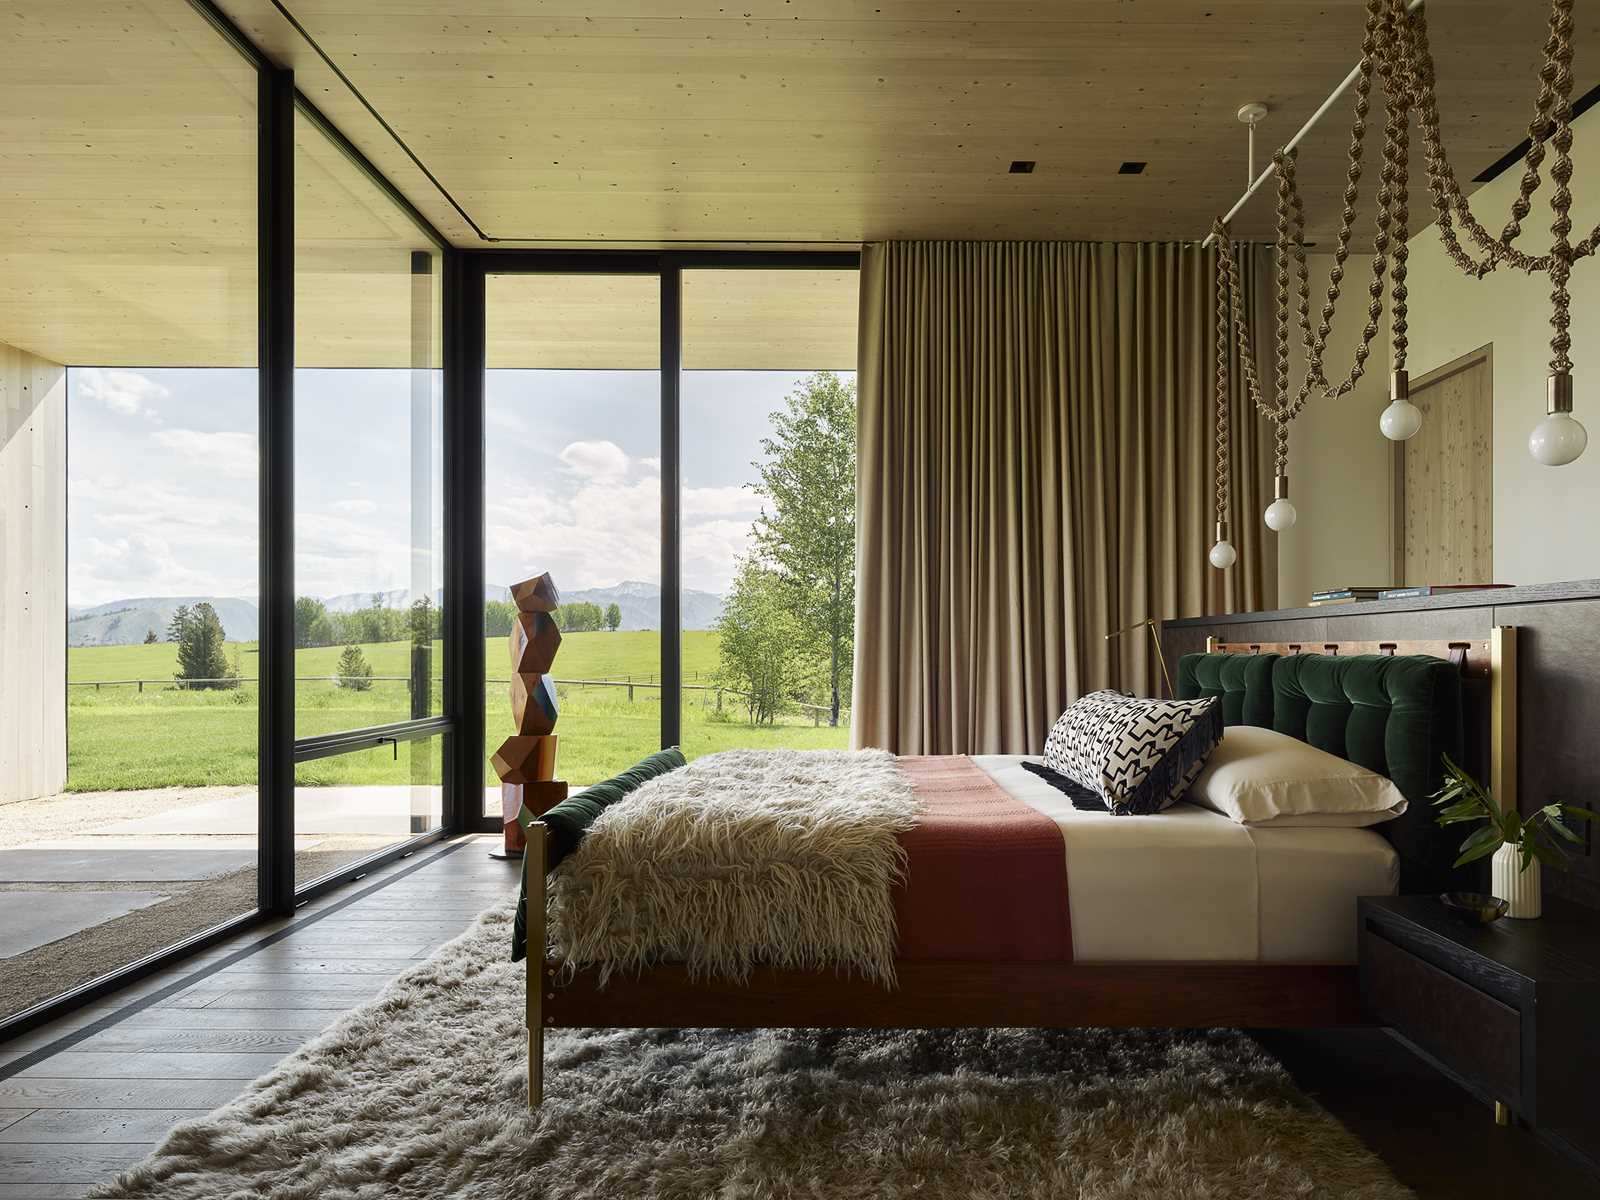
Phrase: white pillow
(1259, 776)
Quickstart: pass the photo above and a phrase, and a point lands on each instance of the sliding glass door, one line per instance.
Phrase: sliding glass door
(129, 547)
(572, 461)
(368, 517)
(658, 428)
(768, 534)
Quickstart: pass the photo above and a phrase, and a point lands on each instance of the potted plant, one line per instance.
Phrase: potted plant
(1519, 844)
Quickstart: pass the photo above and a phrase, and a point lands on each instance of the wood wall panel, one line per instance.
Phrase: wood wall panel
(1448, 502)
(33, 575)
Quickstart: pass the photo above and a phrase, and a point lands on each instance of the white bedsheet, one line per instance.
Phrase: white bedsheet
(1190, 885)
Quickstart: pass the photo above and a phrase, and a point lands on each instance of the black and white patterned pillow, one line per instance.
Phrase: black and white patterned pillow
(1137, 755)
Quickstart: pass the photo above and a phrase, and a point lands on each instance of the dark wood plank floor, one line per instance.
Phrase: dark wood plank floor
(101, 1102)
(134, 1067)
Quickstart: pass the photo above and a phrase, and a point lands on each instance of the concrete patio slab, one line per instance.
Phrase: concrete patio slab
(36, 919)
(380, 810)
(83, 865)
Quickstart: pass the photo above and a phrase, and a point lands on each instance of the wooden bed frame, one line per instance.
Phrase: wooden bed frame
(981, 995)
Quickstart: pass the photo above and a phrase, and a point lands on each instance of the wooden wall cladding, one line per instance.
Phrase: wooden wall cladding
(33, 575)
(1558, 643)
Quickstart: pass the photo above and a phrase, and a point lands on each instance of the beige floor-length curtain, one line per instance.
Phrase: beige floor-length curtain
(1035, 468)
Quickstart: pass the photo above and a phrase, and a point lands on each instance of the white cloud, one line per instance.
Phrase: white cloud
(125, 392)
(355, 508)
(719, 502)
(596, 460)
(232, 454)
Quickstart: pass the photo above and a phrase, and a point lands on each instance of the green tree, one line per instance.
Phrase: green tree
(150, 638)
(310, 621)
(423, 622)
(355, 673)
(756, 636)
(807, 530)
(497, 618)
(613, 617)
(202, 654)
(580, 616)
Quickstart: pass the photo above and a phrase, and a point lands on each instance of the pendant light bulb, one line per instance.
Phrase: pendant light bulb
(1560, 438)
(1557, 440)
(1401, 419)
(1223, 555)
(1280, 513)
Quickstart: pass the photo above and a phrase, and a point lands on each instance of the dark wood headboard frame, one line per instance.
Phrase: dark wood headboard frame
(1487, 663)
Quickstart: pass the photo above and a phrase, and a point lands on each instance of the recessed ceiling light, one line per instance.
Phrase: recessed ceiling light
(1131, 168)
(1022, 166)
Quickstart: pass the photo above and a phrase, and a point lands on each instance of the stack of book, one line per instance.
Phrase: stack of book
(1345, 595)
(1434, 589)
(1351, 595)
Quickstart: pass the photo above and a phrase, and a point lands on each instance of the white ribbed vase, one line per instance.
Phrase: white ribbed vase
(1519, 889)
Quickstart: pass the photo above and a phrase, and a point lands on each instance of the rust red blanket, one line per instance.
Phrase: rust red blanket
(986, 878)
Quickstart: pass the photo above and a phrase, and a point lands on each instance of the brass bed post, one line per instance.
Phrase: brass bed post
(1503, 715)
(535, 860)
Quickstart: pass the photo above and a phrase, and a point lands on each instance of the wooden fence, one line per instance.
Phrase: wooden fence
(818, 712)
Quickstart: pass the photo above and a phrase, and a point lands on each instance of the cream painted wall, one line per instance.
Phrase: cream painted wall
(1545, 526)
(1340, 467)
(33, 575)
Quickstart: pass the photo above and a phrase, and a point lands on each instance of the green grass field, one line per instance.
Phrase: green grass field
(122, 738)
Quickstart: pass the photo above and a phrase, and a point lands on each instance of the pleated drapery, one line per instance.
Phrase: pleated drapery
(1035, 469)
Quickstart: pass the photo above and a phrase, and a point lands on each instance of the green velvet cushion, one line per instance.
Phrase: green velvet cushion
(1243, 682)
(569, 821)
(1397, 715)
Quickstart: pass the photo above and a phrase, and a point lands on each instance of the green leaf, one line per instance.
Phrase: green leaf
(1555, 822)
(1572, 810)
(1477, 852)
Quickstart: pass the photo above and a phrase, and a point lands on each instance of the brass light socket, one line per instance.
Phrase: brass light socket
(1399, 385)
(1222, 531)
(1280, 487)
(1558, 392)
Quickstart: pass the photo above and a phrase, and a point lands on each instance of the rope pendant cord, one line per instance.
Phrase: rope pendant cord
(1395, 52)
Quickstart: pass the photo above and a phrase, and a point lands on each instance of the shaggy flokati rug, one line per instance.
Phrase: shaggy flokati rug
(420, 1094)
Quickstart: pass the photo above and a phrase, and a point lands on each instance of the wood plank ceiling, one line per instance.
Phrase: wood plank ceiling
(838, 121)
(127, 166)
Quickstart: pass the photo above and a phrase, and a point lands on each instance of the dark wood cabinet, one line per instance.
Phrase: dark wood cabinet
(1511, 1010)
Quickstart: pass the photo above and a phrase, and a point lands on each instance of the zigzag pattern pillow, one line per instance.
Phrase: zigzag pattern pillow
(1138, 755)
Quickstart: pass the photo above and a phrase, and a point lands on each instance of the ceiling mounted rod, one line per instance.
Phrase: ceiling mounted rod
(1333, 98)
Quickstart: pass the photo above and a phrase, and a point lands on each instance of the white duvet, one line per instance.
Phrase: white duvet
(1191, 885)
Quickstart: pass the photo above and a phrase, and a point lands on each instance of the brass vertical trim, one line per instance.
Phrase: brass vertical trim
(535, 864)
(1211, 645)
(1503, 715)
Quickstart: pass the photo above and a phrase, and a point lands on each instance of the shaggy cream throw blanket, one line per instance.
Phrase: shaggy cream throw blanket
(779, 857)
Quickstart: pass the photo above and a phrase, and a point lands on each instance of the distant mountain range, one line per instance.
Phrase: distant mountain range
(126, 622)
(641, 604)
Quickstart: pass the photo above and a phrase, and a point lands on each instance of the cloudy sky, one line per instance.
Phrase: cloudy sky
(162, 479)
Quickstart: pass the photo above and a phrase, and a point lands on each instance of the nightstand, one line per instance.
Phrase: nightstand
(1511, 1010)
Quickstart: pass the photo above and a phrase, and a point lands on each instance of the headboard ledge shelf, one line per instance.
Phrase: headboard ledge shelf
(1475, 658)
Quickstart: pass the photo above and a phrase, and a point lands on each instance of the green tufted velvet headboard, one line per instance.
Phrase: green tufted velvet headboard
(1394, 714)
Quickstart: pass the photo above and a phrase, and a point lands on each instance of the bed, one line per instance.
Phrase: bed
(1184, 919)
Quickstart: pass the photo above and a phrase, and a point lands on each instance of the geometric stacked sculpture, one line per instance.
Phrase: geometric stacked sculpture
(526, 761)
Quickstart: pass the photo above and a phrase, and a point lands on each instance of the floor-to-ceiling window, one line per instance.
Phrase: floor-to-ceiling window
(572, 403)
(368, 516)
(128, 480)
(762, 403)
(768, 503)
